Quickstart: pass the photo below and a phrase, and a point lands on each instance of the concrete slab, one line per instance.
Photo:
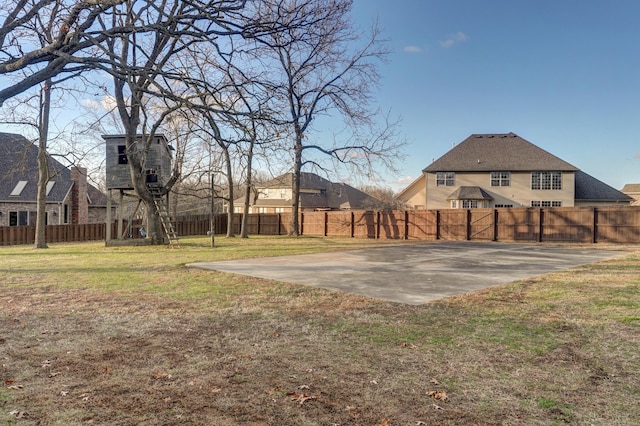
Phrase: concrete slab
(415, 274)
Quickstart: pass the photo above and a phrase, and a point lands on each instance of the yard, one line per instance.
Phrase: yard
(129, 335)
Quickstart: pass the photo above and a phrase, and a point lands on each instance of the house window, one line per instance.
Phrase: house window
(500, 179)
(445, 179)
(122, 154)
(503, 206)
(22, 218)
(546, 204)
(546, 180)
(469, 204)
(19, 188)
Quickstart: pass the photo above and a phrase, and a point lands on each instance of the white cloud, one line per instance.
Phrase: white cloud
(458, 37)
(412, 49)
(405, 180)
(106, 103)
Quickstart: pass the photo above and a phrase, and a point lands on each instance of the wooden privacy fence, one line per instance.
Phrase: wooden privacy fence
(562, 224)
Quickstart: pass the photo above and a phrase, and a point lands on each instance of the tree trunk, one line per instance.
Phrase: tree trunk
(230, 207)
(295, 187)
(155, 231)
(43, 167)
(244, 232)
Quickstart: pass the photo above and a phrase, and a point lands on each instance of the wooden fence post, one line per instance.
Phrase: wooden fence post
(353, 225)
(594, 229)
(540, 224)
(406, 224)
(326, 224)
(437, 224)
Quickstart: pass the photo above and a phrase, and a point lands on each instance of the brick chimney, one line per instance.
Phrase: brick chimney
(79, 198)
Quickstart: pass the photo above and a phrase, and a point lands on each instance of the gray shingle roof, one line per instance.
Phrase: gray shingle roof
(470, 193)
(19, 162)
(497, 152)
(590, 188)
(332, 195)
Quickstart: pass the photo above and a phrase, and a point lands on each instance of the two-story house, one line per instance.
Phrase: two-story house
(316, 193)
(501, 171)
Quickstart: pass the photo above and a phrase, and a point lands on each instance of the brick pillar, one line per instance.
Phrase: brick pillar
(79, 198)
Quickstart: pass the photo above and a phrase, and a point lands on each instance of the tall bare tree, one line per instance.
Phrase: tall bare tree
(322, 66)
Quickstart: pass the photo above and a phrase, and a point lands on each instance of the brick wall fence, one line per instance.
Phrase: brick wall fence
(563, 224)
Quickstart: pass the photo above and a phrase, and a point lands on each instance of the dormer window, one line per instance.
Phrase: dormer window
(19, 188)
(50, 185)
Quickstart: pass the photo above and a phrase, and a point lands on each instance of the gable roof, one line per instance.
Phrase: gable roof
(497, 152)
(329, 194)
(19, 163)
(590, 188)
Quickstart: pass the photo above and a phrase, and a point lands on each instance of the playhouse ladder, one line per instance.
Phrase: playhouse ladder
(158, 200)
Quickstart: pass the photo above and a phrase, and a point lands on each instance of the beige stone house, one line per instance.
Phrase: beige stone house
(316, 194)
(70, 198)
(502, 171)
(633, 191)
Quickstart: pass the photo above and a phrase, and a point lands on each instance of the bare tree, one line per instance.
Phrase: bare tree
(322, 70)
(33, 57)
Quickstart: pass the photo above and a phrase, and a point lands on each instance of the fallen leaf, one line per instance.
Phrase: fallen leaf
(437, 407)
(18, 414)
(216, 390)
(384, 422)
(420, 423)
(434, 381)
(301, 398)
(161, 375)
(440, 395)
(373, 382)
(303, 387)
(64, 393)
(15, 387)
(9, 381)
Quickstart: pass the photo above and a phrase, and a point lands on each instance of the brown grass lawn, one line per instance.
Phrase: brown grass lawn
(129, 336)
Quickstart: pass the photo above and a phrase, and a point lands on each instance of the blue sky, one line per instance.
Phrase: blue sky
(563, 74)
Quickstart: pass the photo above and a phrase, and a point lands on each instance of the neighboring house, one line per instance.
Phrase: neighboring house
(633, 191)
(505, 170)
(70, 199)
(316, 193)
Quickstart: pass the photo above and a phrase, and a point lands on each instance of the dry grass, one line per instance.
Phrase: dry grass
(90, 335)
